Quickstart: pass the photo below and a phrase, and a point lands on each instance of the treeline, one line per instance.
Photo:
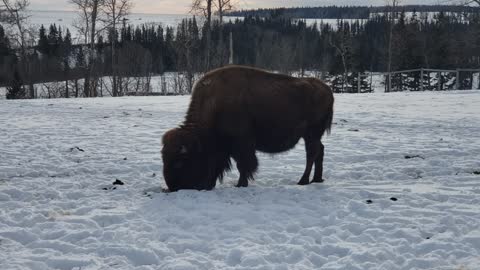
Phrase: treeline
(328, 12)
(349, 12)
(447, 41)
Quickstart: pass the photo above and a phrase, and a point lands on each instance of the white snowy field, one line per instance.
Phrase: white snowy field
(402, 190)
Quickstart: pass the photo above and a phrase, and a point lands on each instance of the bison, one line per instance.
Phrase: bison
(236, 110)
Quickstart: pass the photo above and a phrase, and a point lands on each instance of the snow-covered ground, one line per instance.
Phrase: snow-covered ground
(402, 190)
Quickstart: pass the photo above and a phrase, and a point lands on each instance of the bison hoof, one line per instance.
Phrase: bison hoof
(303, 182)
(318, 180)
(242, 184)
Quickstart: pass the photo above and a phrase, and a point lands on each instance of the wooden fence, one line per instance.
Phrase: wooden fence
(425, 73)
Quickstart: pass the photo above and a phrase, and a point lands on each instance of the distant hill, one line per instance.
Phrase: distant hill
(346, 12)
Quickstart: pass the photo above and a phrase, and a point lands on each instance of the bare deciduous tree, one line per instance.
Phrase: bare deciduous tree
(115, 11)
(468, 2)
(207, 8)
(392, 15)
(342, 45)
(83, 23)
(87, 26)
(13, 14)
(222, 7)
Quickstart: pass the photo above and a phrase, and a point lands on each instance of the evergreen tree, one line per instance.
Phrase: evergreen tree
(43, 46)
(67, 41)
(169, 56)
(53, 40)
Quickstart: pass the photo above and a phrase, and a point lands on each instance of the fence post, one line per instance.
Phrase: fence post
(401, 82)
(230, 60)
(371, 82)
(389, 82)
(164, 85)
(457, 80)
(439, 81)
(421, 79)
(359, 85)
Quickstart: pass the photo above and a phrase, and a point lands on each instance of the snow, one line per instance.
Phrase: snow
(66, 19)
(401, 192)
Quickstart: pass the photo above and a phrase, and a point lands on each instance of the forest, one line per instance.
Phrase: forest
(350, 12)
(449, 40)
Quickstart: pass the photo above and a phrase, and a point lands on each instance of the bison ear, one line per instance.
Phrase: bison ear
(170, 136)
(183, 150)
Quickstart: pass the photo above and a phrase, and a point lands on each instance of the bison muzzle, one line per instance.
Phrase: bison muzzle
(237, 110)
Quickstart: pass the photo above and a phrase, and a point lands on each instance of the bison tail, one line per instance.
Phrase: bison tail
(327, 125)
(327, 93)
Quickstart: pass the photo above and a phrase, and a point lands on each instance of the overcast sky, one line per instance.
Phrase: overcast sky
(181, 6)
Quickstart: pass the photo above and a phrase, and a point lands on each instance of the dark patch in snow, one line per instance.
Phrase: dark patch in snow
(76, 148)
(476, 172)
(109, 188)
(394, 199)
(105, 117)
(369, 201)
(124, 158)
(353, 129)
(118, 182)
(342, 121)
(149, 192)
(413, 156)
(154, 174)
(50, 104)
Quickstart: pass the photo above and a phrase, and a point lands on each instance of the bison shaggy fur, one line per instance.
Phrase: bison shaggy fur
(235, 111)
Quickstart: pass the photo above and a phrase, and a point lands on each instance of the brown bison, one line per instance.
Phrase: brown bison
(237, 110)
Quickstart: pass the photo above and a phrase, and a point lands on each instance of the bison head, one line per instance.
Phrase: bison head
(185, 162)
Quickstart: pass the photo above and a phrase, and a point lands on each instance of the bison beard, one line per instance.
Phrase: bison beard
(237, 110)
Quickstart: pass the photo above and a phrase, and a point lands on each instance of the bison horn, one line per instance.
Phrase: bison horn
(183, 150)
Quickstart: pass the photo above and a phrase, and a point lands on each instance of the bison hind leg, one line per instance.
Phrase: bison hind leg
(315, 152)
(247, 168)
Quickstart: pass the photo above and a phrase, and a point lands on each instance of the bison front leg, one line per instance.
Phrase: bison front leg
(312, 148)
(243, 152)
